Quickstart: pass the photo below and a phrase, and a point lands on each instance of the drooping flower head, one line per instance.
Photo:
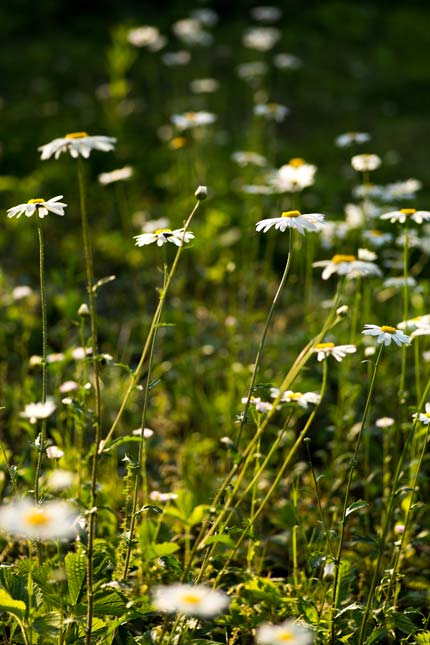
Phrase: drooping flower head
(39, 206)
(292, 219)
(77, 144)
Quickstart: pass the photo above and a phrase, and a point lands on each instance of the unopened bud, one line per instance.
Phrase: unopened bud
(342, 311)
(201, 192)
(83, 310)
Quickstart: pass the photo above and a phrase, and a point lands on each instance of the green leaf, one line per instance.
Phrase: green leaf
(153, 551)
(356, 506)
(220, 538)
(15, 607)
(109, 604)
(75, 565)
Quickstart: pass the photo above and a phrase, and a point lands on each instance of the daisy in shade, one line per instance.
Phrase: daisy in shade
(406, 214)
(349, 138)
(292, 219)
(163, 235)
(324, 350)
(385, 334)
(423, 417)
(38, 206)
(287, 632)
(43, 522)
(198, 600)
(365, 162)
(348, 265)
(78, 144)
(303, 399)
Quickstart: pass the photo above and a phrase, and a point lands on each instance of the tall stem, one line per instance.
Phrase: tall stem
(41, 439)
(97, 417)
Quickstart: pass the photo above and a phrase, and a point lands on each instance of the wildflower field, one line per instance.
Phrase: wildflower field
(215, 356)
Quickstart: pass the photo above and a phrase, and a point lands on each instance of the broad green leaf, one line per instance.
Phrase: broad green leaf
(76, 566)
(15, 607)
(153, 551)
(109, 604)
(220, 538)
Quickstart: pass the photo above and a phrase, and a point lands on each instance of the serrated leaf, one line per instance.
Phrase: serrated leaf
(356, 506)
(75, 565)
(153, 551)
(15, 607)
(109, 604)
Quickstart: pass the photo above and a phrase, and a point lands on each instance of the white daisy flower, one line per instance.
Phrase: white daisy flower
(261, 38)
(54, 452)
(157, 496)
(348, 138)
(59, 479)
(323, 350)
(163, 235)
(415, 323)
(246, 157)
(423, 417)
(22, 291)
(303, 399)
(287, 632)
(365, 162)
(39, 206)
(260, 406)
(284, 60)
(204, 85)
(384, 422)
(376, 237)
(385, 334)
(398, 283)
(35, 411)
(198, 600)
(293, 176)
(402, 189)
(405, 214)
(347, 265)
(42, 522)
(122, 174)
(189, 120)
(421, 331)
(272, 111)
(77, 143)
(292, 219)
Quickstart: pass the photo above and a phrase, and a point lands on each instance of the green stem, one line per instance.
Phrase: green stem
(402, 392)
(352, 467)
(42, 437)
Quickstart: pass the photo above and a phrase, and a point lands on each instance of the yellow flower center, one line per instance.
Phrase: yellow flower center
(295, 396)
(177, 142)
(388, 330)
(36, 517)
(291, 214)
(39, 200)
(296, 162)
(163, 230)
(337, 259)
(191, 116)
(272, 107)
(285, 637)
(324, 346)
(76, 135)
(191, 598)
(375, 233)
(408, 211)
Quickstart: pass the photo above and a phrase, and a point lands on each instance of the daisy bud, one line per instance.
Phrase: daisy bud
(201, 192)
(83, 310)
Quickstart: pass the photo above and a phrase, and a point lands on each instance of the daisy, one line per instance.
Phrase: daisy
(384, 422)
(121, 174)
(163, 235)
(415, 323)
(189, 120)
(303, 399)
(287, 632)
(260, 406)
(39, 206)
(365, 162)
(77, 143)
(407, 213)
(347, 265)
(44, 522)
(324, 350)
(198, 600)
(261, 38)
(245, 157)
(348, 138)
(292, 219)
(35, 411)
(272, 111)
(423, 417)
(293, 176)
(385, 334)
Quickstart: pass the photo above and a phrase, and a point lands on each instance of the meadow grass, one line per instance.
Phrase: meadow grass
(216, 377)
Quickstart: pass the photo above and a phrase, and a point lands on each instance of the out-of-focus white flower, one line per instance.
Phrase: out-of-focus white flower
(35, 411)
(39, 206)
(349, 138)
(204, 85)
(79, 353)
(161, 236)
(68, 386)
(293, 176)
(303, 399)
(22, 291)
(384, 422)
(54, 452)
(77, 144)
(55, 357)
(293, 219)
(146, 36)
(189, 120)
(156, 496)
(155, 224)
(197, 600)
(323, 350)
(272, 111)
(385, 334)
(377, 237)
(266, 14)
(176, 59)
(205, 16)
(287, 632)
(147, 432)
(190, 31)
(366, 255)
(261, 38)
(365, 162)
(398, 283)
(251, 71)
(283, 60)
(405, 214)
(415, 323)
(42, 522)
(245, 158)
(260, 406)
(59, 479)
(423, 417)
(347, 265)
(122, 174)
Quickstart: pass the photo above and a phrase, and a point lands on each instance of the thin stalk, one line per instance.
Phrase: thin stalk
(352, 467)
(97, 416)
(134, 378)
(9, 469)
(42, 436)
(402, 393)
(263, 338)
